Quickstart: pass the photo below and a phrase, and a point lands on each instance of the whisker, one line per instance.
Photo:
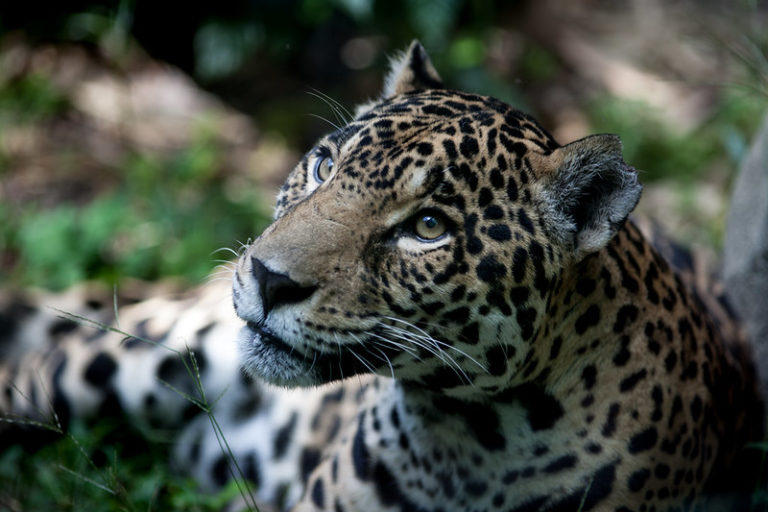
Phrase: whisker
(362, 360)
(386, 358)
(225, 249)
(339, 105)
(342, 114)
(335, 126)
(436, 351)
(431, 339)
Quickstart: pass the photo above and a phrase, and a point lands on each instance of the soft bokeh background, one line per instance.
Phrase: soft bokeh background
(138, 137)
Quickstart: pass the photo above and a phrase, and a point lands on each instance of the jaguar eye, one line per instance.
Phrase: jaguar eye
(430, 226)
(323, 168)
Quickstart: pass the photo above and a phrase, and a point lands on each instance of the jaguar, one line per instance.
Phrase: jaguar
(450, 312)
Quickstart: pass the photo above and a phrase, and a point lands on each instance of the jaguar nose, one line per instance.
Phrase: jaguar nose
(277, 289)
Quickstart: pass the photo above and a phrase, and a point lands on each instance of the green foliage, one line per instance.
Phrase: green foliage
(221, 48)
(90, 468)
(28, 99)
(165, 219)
(660, 151)
(433, 19)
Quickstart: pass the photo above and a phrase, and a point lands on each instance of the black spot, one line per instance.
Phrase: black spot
(519, 264)
(500, 232)
(484, 197)
(622, 355)
(518, 295)
(438, 111)
(61, 326)
(658, 399)
(554, 350)
(629, 382)
(360, 456)
(593, 448)
(474, 245)
(388, 491)
(696, 406)
(626, 315)
(101, 370)
(459, 315)
(450, 149)
(643, 441)
(318, 493)
(560, 464)
(171, 368)
(637, 480)
(220, 471)
(490, 270)
(585, 286)
(525, 221)
(475, 488)
(525, 319)
(468, 146)
(110, 405)
(493, 212)
(497, 180)
(310, 458)
(458, 293)
(670, 361)
(497, 360)
(543, 409)
(589, 376)
(627, 281)
(424, 148)
(283, 437)
(482, 421)
(471, 333)
(512, 191)
(588, 319)
(600, 486)
(609, 427)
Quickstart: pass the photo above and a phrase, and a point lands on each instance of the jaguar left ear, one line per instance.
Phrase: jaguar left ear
(589, 192)
(411, 71)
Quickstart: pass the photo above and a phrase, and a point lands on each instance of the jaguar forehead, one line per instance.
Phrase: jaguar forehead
(418, 183)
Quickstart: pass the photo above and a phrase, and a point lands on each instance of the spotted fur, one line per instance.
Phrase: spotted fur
(451, 311)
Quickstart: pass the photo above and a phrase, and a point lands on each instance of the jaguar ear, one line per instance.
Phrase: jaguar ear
(589, 192)
(411, 71)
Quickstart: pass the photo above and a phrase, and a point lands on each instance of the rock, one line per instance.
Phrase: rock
(745, 258)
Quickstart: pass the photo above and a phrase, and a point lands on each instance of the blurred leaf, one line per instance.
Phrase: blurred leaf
(221, 47)
(29, 99)
(433, 19)
(537, 63)
(315, 12)
(360, 10)
(466, 52)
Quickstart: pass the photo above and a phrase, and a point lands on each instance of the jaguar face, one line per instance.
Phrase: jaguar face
(420, 241)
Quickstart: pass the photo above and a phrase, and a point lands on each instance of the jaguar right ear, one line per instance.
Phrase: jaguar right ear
(589, 192)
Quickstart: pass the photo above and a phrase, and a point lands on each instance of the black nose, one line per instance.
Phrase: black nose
(277, 289)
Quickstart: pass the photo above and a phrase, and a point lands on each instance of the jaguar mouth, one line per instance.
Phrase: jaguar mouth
(269, 339)
(266, 355)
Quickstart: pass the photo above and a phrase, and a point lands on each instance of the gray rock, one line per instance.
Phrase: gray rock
(745, 258)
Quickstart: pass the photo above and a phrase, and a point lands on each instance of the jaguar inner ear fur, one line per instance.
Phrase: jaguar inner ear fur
(450, 312)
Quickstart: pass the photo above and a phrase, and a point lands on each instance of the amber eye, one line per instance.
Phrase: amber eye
(323, 168)
(430, 226)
